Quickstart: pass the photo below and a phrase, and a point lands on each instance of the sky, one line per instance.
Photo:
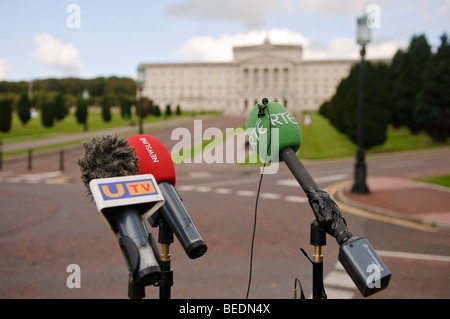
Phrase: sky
(92, 38)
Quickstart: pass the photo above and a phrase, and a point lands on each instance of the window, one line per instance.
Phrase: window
(255, 78)
(275, 78)
(246, 78)
(286, 77)
(266, 78)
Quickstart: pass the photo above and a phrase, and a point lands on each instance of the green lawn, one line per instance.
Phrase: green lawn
(320, 140)
(34, 130)
(438, 180)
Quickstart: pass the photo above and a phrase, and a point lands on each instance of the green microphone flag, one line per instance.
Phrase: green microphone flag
(270, 128)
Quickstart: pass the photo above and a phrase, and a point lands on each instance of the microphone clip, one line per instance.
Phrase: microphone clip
(262, 107)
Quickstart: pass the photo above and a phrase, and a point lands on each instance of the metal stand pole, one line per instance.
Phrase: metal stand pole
(61, 160)
(360, 186)
(317, 239)
(165, 238)
(30, 159)
(140, 110)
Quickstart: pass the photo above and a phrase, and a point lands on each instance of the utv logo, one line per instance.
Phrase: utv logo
(120, 190)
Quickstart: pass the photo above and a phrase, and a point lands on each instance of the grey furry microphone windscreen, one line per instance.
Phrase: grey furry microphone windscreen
(107, 156)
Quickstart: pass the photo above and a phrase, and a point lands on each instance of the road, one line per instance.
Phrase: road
(48, 223)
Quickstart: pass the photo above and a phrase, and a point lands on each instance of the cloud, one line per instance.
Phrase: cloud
(207, 48)
(327, 7)
(51, 52)
(347, 48)
(5, 67)
(253, 14)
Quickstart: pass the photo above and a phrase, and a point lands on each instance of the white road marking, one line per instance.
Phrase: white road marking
(338, 278)
(209, 187)
(270, 196)
(46, 178)
(203, 189)
(338, 284)
(293, 183)
(399, 254)
(186, 188)
(296, 199)
(222, 190)
(245, 193)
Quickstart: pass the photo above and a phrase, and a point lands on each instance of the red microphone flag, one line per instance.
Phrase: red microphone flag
(154, 158)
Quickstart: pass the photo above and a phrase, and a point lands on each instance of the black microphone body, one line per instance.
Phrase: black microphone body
(155, 159)
(297, 169)
(180, 222)
(356, 254)
(109, 161)
(324, 208)
(135, 245)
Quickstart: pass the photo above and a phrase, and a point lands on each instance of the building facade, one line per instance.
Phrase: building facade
(276, 72)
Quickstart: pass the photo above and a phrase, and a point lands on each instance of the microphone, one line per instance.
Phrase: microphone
(108, 170)
(281, 120)
(155, 159)
(358, 257)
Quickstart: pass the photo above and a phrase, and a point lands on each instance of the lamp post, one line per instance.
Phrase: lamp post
(140, 80)
(363, 38)
(85, 96)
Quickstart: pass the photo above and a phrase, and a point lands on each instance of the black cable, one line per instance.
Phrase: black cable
(254, 231)
(302, 295)
(257, 194)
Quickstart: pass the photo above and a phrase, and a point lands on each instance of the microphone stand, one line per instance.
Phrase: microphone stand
(136, 290)
(318, 239)
(165, 238)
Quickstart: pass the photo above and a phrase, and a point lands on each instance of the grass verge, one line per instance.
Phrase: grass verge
(443, 180)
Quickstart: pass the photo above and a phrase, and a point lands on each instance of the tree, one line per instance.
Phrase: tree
(394, 84)
(343, 105)
(105, 104)
(60, 109)
(410, 78)
(81, 112)
(23, 108)
(96, 86)
(6, 104)
(147, 106)
(432, 108)
(377, 110)
(324, 109)
(47, 112)
(156, 111)
(342, 109)
(168, 111)
(125, 106)
(178, 110)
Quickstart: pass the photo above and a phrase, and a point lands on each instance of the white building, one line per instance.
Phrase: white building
(276, 72)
